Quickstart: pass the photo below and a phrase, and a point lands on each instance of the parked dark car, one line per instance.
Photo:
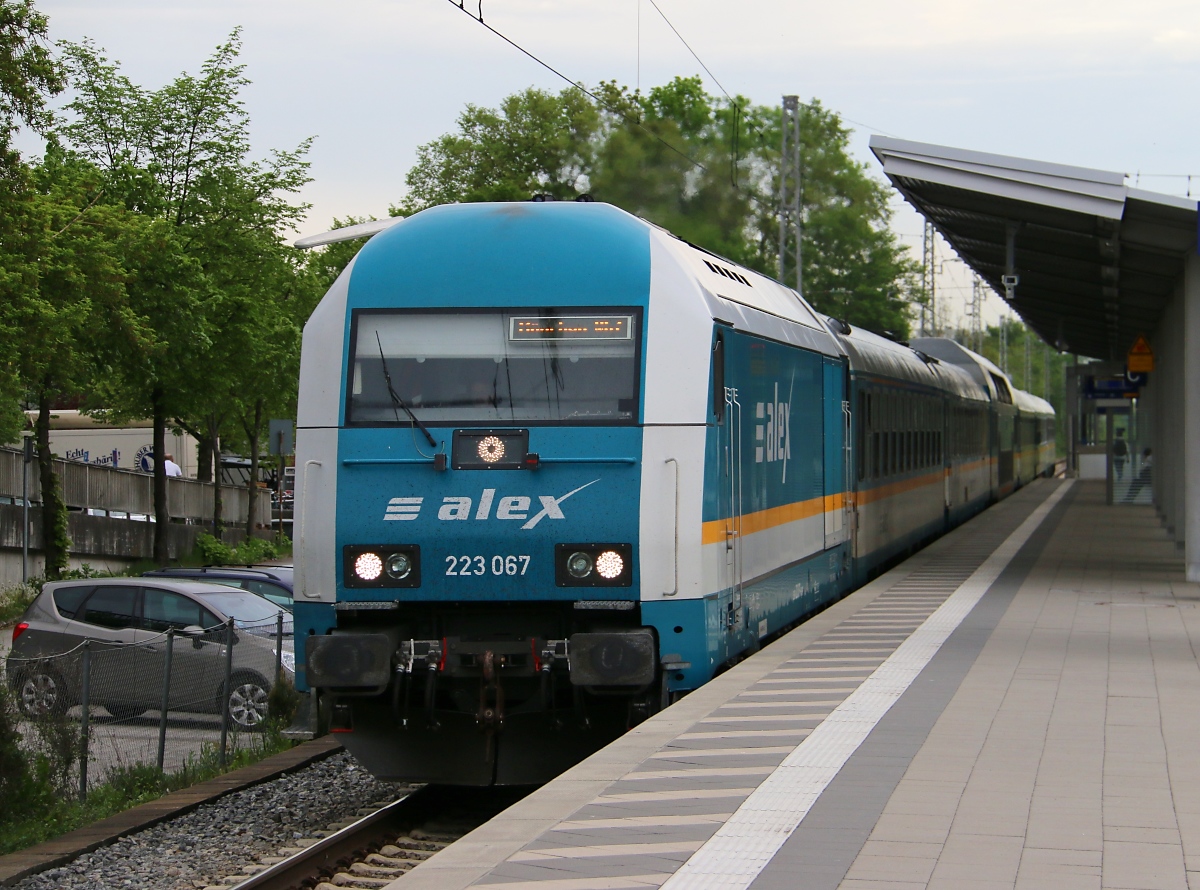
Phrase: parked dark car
(273, 582)
(126, 620)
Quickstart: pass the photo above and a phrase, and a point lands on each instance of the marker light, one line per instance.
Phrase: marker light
(368, 566)
(491, 449)
(580, 565)
(609, 564)
(399, 565)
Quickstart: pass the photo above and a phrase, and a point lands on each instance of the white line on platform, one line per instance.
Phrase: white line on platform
(741, 848)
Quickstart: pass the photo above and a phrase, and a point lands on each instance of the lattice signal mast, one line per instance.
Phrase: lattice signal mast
(790, 227)
(975, 313)
(929, 282)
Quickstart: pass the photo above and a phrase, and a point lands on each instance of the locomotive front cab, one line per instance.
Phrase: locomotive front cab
(486, 625)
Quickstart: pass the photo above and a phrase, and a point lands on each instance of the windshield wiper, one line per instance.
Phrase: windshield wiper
(398, 402)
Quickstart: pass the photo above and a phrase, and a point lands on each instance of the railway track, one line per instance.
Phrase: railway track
(382, 845)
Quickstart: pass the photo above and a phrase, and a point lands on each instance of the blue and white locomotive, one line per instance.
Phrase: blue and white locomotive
(556, 467)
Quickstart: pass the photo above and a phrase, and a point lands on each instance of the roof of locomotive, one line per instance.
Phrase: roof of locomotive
(490, 254)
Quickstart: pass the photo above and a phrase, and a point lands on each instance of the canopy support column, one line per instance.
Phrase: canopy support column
(1191, 417)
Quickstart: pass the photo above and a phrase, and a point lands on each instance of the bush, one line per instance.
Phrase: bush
(282, 702)
(217, 553)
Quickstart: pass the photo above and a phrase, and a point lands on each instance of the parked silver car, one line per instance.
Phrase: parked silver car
(126, 620)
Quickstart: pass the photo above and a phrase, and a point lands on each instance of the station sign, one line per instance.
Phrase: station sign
(1140, 359)
(1123, 386)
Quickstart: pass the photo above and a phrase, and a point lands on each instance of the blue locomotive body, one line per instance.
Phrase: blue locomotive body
(556, 467)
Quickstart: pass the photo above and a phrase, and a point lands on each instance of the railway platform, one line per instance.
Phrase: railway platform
(1017, 705)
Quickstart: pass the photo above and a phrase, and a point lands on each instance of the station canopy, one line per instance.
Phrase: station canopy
(1096, 260)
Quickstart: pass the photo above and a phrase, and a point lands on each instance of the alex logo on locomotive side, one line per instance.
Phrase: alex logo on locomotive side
(773, 436)
(461, 508)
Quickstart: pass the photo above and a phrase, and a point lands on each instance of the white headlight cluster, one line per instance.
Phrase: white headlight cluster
(383, 566)
(491, 449)
(368, 566)
(609, 565)
(593, 565)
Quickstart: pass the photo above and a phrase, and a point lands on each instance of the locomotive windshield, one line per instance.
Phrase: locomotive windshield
(495, 366)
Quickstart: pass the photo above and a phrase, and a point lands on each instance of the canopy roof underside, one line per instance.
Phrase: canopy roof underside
(1097, 261)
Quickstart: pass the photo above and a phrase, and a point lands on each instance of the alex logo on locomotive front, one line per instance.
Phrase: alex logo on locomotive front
(507, 507)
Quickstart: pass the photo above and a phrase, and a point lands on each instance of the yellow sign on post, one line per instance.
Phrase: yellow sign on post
(1141, 357)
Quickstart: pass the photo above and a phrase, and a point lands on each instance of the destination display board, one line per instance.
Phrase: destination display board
(570, 327)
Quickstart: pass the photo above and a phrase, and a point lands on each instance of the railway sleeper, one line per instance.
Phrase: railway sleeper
(343, 879)
(418, 845)
(391, 851)
(392, 862)
(369, 870)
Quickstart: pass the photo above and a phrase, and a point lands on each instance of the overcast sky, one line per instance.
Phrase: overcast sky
(1100, 83)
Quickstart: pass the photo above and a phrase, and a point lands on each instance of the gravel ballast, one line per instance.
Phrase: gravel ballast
(221, 838)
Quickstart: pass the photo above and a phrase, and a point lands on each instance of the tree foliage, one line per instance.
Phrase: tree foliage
(180, 157)
(702, 167)
(28, 73)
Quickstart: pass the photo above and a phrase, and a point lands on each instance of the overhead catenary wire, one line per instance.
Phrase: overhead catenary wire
(478, 17)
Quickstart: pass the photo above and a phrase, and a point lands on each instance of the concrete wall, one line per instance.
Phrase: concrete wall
(101, 542)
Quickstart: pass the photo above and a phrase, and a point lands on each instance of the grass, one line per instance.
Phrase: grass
(127, 787)
(40, 803)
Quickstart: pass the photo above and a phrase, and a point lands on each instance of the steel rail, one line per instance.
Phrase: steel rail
(343, 846)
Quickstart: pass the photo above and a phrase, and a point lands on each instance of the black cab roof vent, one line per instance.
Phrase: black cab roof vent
(729, 273)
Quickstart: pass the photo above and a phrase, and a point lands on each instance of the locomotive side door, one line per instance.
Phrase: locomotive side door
(836, 415)
(727, 406)
(733, 485)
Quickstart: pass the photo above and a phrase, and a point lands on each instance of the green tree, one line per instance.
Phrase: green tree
(701, 167)
(28, 75)
(74, 246)
(181, 155)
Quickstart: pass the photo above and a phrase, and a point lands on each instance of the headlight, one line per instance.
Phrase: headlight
(491, 449)
(610, 565)
(368, 566)
(385, 565)
(399, 565)
(497, 449)
(579, 565)
(593, 565)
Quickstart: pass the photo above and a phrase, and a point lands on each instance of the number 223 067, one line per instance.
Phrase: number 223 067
(462, 566)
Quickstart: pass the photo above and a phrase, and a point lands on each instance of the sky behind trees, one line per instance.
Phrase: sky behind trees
(1096, 84)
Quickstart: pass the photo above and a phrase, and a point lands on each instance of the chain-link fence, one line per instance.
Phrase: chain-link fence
(168, 699)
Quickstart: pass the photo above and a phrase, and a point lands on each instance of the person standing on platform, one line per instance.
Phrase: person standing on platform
(1120, 453)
